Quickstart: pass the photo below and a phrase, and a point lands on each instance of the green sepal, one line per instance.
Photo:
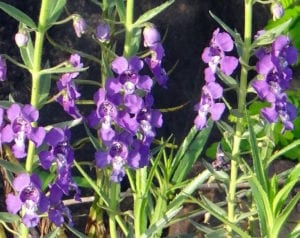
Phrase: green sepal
(18, 15)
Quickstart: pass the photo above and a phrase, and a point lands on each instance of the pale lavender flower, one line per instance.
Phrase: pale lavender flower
(3, 69)
(29, 199)
(21, 39)
(79, 25)
(151, 36)
(19, 129)
(277, 10)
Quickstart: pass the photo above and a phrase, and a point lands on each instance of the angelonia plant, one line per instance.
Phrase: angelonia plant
(40, 164)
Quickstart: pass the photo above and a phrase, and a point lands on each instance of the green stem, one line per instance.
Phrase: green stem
(140, 221)
(241, 107)
(114, 198)
(128, 27)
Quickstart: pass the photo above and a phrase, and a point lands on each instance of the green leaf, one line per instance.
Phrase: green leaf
(53, 234)
(18, 15)
(268, 37)
(189, 152)
(259, 170)
(67, 69)
(27, 53)
(76, 232)
(282, 219)
(224, 25)
(54, 10)
(220, 214)
(81, 182)
(120, 6)
(15, 168)
(95, 141)
(152, 13)
(8, 217)
(284, 192)
(64, 124)
(263, 204)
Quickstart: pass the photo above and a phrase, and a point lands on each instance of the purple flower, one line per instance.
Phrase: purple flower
(62, 154)
(103, 32)
(155, 64)
(275, 73)
(28, 198)
(210, 92)
(151, 36)
(283, 110)
(68, 89)
(215, 56)
(3, 69)
(123, 151)
(20, 128)
(58, 211)
(277, 10)
(128, 73)
(79, 25)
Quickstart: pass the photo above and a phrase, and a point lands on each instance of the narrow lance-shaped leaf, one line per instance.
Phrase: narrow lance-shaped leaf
(18, 15)
(152, 13)
(55, 9)
(189, 152)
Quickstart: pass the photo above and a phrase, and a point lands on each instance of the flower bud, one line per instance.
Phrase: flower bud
(3, 69)
(103, 32)
(151, 36)
(21, 39)
(79, 25)
(277, 10)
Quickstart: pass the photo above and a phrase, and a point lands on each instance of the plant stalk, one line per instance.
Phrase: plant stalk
(128, 27)
(35, 72)
(241, 107)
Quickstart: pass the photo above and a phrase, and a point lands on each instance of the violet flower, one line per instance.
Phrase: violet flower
(103, 32)
(29, 199)
(207, 105)
(20, 128)
(3, 69)
(215, 56)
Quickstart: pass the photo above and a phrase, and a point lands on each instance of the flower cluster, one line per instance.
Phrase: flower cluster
(215, 57)
(68, 89)
(153, 42)
(274, 79)
(124, 116)
(61, 154)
